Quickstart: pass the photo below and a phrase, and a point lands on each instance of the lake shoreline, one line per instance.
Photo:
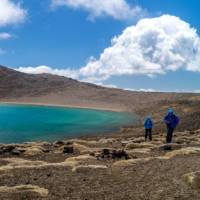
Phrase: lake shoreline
(65, 106)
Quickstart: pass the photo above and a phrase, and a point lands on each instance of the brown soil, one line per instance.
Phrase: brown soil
(93, 171)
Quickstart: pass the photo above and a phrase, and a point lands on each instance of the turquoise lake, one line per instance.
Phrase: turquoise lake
(25, 123)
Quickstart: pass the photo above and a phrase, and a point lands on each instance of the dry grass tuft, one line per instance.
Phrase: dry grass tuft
(132, 162)
(72, 162)
(25, 188)
(183, 152)
(34, 151)
(192, 179)
(89, 168)
(130, 146)
(81, 158)
(17, 163)
(82, 148)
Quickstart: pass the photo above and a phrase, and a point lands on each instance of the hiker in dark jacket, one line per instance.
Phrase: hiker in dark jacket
(148, 125)
(171, 120)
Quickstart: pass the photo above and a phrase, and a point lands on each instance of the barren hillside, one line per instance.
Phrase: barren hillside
(52, 89)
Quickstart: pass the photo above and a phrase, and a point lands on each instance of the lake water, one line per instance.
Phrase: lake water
(25, 123)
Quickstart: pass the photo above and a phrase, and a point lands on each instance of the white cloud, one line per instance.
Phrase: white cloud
(118, 9)
(11, 13)
(153, 46)
(164, 91)
(5, 36)
(142, 90)
(45, 69)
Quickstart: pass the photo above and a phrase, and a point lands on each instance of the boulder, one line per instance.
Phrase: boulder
(114, 154)
(59, 143)
(119, 154)
(7, 148)
(106, 152)
(68, 149)
(16, 152)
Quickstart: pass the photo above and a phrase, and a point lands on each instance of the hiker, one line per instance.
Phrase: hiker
(148, 125)
(171, 120)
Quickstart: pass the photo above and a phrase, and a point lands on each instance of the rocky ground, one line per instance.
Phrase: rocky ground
(103, 168)
(120, 166)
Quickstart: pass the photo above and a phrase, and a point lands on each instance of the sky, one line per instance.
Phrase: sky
(144, 45)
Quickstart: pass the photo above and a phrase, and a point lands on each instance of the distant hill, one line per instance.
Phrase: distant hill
(17, 84)
(53, 89)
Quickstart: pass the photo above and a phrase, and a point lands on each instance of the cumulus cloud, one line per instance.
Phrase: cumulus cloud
(45, 69)
(11, 13)
(142, 90)
(5, 36)
(118, 9)
(151, 47)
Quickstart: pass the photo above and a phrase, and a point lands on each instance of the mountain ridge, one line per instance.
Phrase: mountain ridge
(51, 89)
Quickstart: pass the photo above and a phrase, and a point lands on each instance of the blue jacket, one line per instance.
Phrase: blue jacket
(171, 120)
(148, 124)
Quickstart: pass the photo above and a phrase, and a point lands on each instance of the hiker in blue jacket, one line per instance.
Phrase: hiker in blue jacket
(148, 125)
(171, 120)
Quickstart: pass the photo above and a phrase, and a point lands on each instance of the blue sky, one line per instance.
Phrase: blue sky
(57, 34)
